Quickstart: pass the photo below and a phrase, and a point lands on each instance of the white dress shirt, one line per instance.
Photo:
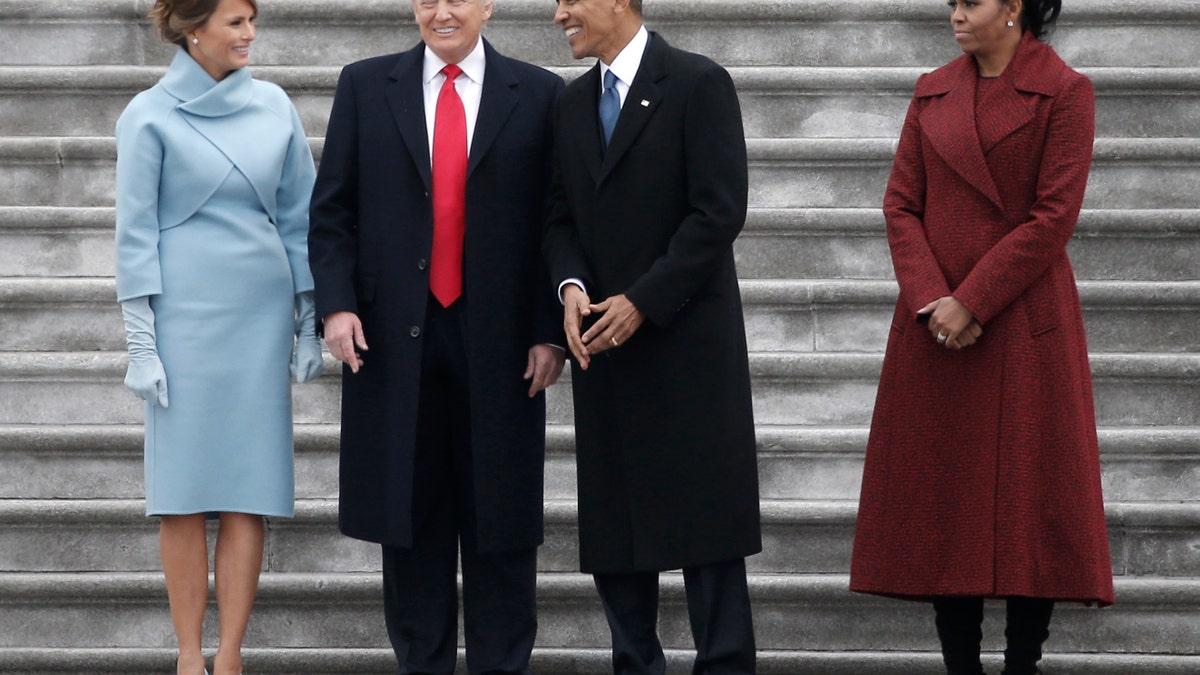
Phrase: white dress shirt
(626, 65)
(469, 86)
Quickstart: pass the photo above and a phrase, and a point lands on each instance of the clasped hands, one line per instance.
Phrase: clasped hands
(619, 320)
(951, 323)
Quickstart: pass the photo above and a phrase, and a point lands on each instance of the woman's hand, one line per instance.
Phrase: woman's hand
(951, 323)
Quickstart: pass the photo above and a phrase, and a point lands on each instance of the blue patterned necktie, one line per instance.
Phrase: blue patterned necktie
(610, 106)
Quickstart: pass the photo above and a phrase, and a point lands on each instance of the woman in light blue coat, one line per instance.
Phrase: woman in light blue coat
(214, 176)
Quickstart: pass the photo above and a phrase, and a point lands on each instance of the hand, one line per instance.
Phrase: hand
(966, 338)
(306, 358)
(146, 378)
(620, 320)
(576, 305)
(344, 335)
(545, 365)
(950, 318)
(307, 361)
(145, 375)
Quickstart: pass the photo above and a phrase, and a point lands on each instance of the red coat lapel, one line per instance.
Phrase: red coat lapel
(948, 121)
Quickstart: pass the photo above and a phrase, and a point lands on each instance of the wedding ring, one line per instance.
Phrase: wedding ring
(942, 337)
(614, 341)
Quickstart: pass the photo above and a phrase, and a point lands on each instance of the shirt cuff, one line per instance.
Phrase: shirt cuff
(577, 282)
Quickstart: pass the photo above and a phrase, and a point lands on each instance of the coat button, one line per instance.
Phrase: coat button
(415, 331)
(422, 264)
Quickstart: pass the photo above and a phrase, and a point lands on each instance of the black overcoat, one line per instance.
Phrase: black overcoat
(369, 246)
(664, 424)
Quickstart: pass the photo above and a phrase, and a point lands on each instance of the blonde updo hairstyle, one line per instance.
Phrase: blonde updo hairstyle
(174, 19)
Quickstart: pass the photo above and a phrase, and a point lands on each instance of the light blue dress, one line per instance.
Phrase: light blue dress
(213, 185)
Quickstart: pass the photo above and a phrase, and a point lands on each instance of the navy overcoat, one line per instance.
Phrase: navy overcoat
(668, 473)
(369, 244)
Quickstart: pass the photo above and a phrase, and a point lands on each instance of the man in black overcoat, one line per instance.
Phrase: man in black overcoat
(649, 192)
(443, 413)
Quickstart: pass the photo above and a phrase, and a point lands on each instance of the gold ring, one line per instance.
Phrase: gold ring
(614, 341)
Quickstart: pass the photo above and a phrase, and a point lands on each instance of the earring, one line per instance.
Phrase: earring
(196, 41)
(1010, 23)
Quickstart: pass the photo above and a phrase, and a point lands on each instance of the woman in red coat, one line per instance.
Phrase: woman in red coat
(982, 475)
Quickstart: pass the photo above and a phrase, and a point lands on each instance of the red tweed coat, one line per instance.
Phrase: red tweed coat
(982, 473)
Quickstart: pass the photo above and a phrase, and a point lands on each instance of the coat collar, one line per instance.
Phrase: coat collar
(206, 105)
(200, 94)
(949, 120)
(1035, 68)
(406, 98)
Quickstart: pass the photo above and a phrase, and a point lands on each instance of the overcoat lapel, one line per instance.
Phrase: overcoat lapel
(1006, 112)
(406, 98)
(640, 104)
(949, 124)
(498, 99)
(580, 113)
(1035, 69)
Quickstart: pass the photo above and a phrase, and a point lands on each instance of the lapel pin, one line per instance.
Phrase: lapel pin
(645, 103)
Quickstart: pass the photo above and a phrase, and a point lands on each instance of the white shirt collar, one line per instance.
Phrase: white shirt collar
(472, 66)
(626, 65)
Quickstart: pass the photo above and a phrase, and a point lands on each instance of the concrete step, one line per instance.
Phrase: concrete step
(821, 389)
(853, 172)
(839, 389)
(86, 388)
(802, 315)
(793, 101)
(592, 661)
(344, 611)
(754, 32)
(56, 241)
(81, 314)
(799, 537)
(841, 243)
(784, 173)
(796, 243)
(81, 462)
(104, 461)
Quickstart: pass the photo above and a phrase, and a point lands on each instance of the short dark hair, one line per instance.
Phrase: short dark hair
(174, 19)
(636, 6)
(1037, 16)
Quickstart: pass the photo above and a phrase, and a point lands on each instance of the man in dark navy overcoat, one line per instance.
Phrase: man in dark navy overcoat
(650, 191)
(443, 413)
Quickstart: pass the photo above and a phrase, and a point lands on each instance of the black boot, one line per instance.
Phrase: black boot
(1027, 627)
(959, 624)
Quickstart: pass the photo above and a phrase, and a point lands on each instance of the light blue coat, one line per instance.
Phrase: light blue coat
(213, 185)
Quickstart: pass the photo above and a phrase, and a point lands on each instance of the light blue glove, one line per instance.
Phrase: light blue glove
(145, 376)
(307, 361)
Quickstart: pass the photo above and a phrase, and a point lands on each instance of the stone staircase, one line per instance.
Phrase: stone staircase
(824, 87)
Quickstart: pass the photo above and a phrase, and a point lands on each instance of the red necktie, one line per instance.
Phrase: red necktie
(449, 192)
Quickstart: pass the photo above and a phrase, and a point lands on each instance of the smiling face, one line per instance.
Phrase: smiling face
(451, 28)
(222, 44)
(599, 28)
(981, 26)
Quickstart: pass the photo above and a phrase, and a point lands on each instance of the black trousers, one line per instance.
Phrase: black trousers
(718, 608)
(420, 584)
(959, 626)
